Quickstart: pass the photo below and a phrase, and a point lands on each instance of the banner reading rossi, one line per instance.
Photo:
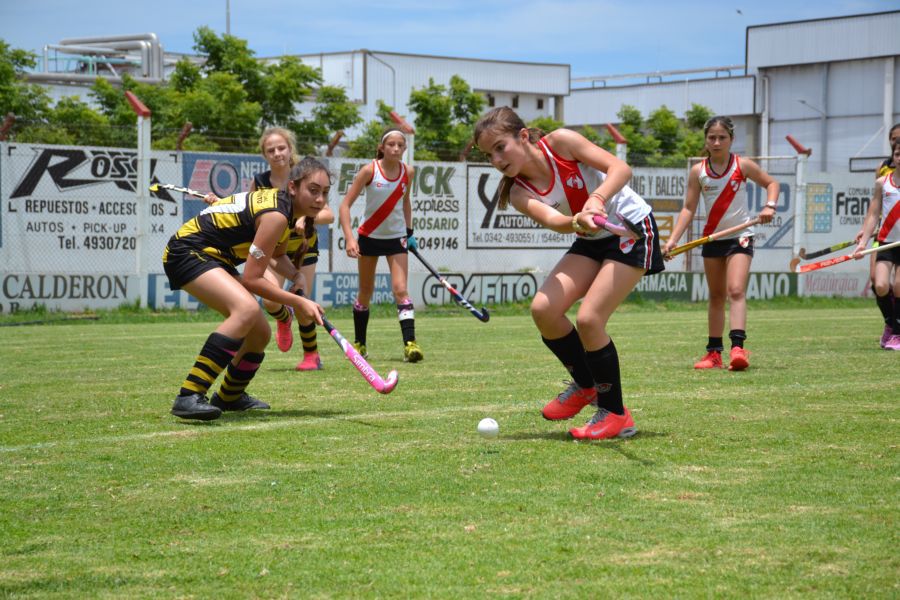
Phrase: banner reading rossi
(692, 286)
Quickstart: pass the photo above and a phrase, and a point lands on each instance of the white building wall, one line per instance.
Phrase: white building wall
(842, 113)
(370, 76)
(823, 40)
(597, 106)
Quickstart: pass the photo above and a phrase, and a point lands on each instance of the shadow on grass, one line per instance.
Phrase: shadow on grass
(247, 415)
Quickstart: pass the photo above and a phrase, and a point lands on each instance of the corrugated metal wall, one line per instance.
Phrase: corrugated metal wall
(825, 40)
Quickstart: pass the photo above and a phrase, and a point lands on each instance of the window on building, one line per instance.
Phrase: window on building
(515, 101)
(540, 104)
(490, 100)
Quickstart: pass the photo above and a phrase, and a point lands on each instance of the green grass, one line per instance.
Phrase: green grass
(781, 481)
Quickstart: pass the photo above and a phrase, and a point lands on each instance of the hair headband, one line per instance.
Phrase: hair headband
(392, 132)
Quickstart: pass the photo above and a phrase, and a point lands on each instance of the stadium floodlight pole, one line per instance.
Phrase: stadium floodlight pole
(803, 154)
(383, 386)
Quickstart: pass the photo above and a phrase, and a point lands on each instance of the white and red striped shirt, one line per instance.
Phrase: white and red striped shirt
(573, 182)
(384, 218)
(890, 209)
(725, 198)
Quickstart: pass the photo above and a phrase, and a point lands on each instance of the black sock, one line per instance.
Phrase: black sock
(604, 367)
(282, 314)
(308, 337)
(715, 343)
(570, 352)
(407, 317)
(360, 322)
(237, 378)
(886, 306)
(737, 337)
(215, 355)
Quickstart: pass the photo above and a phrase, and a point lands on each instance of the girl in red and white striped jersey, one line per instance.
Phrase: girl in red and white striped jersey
(386, 231)
(721, 180)
(886, 202)
(562, 180)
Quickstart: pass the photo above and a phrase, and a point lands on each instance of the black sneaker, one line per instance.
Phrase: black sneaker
(244, 402)
(195, 406)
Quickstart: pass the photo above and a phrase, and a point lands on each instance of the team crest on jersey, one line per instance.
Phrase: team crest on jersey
(575, 182)
(735, 185)
(625, 245)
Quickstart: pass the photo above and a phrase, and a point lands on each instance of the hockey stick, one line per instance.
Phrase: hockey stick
(839, 259)
(828, 250)
(184, 190)
(804, 256)
(711, 237)
(482, 316)
(630, 230)
(384, 386)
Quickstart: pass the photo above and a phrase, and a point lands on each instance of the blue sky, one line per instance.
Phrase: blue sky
(596, 37)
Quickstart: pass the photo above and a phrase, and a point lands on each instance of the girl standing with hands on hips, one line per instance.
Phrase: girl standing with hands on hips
(561, 181)
(386, 231)
(201, 258)
(721, 180)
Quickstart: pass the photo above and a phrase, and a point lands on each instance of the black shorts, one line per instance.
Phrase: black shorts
(378, 247)
(183, 264)
(725, 248)
(643, 254)
(892, 255)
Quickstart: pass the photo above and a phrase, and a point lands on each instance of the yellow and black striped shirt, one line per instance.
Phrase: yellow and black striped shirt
(226, 229)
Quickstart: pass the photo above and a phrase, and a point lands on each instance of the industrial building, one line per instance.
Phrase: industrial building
(832, 83)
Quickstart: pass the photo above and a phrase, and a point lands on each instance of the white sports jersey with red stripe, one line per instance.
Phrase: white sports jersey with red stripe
(890, 208)
(384, 205)
(573, 182)
(725, 198)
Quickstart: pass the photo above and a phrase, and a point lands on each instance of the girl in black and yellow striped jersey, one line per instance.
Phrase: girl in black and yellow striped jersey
(202, 257)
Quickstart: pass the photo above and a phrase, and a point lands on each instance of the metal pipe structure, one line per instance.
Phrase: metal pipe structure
(155, 53)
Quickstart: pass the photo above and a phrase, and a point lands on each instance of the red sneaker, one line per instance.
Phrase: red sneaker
(712, 360)
(605, 425)
(740, 359)
(569, 403)
(284, 338)
(311, 362)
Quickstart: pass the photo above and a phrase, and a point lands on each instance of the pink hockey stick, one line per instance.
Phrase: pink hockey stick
(632, 231)
(384, 386)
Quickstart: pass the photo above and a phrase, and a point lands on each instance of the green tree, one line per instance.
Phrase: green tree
(444, 118)
(333, 112)
(546, 124)
(28, 102)
(697, 116)
(366, 144)
(662, 140)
